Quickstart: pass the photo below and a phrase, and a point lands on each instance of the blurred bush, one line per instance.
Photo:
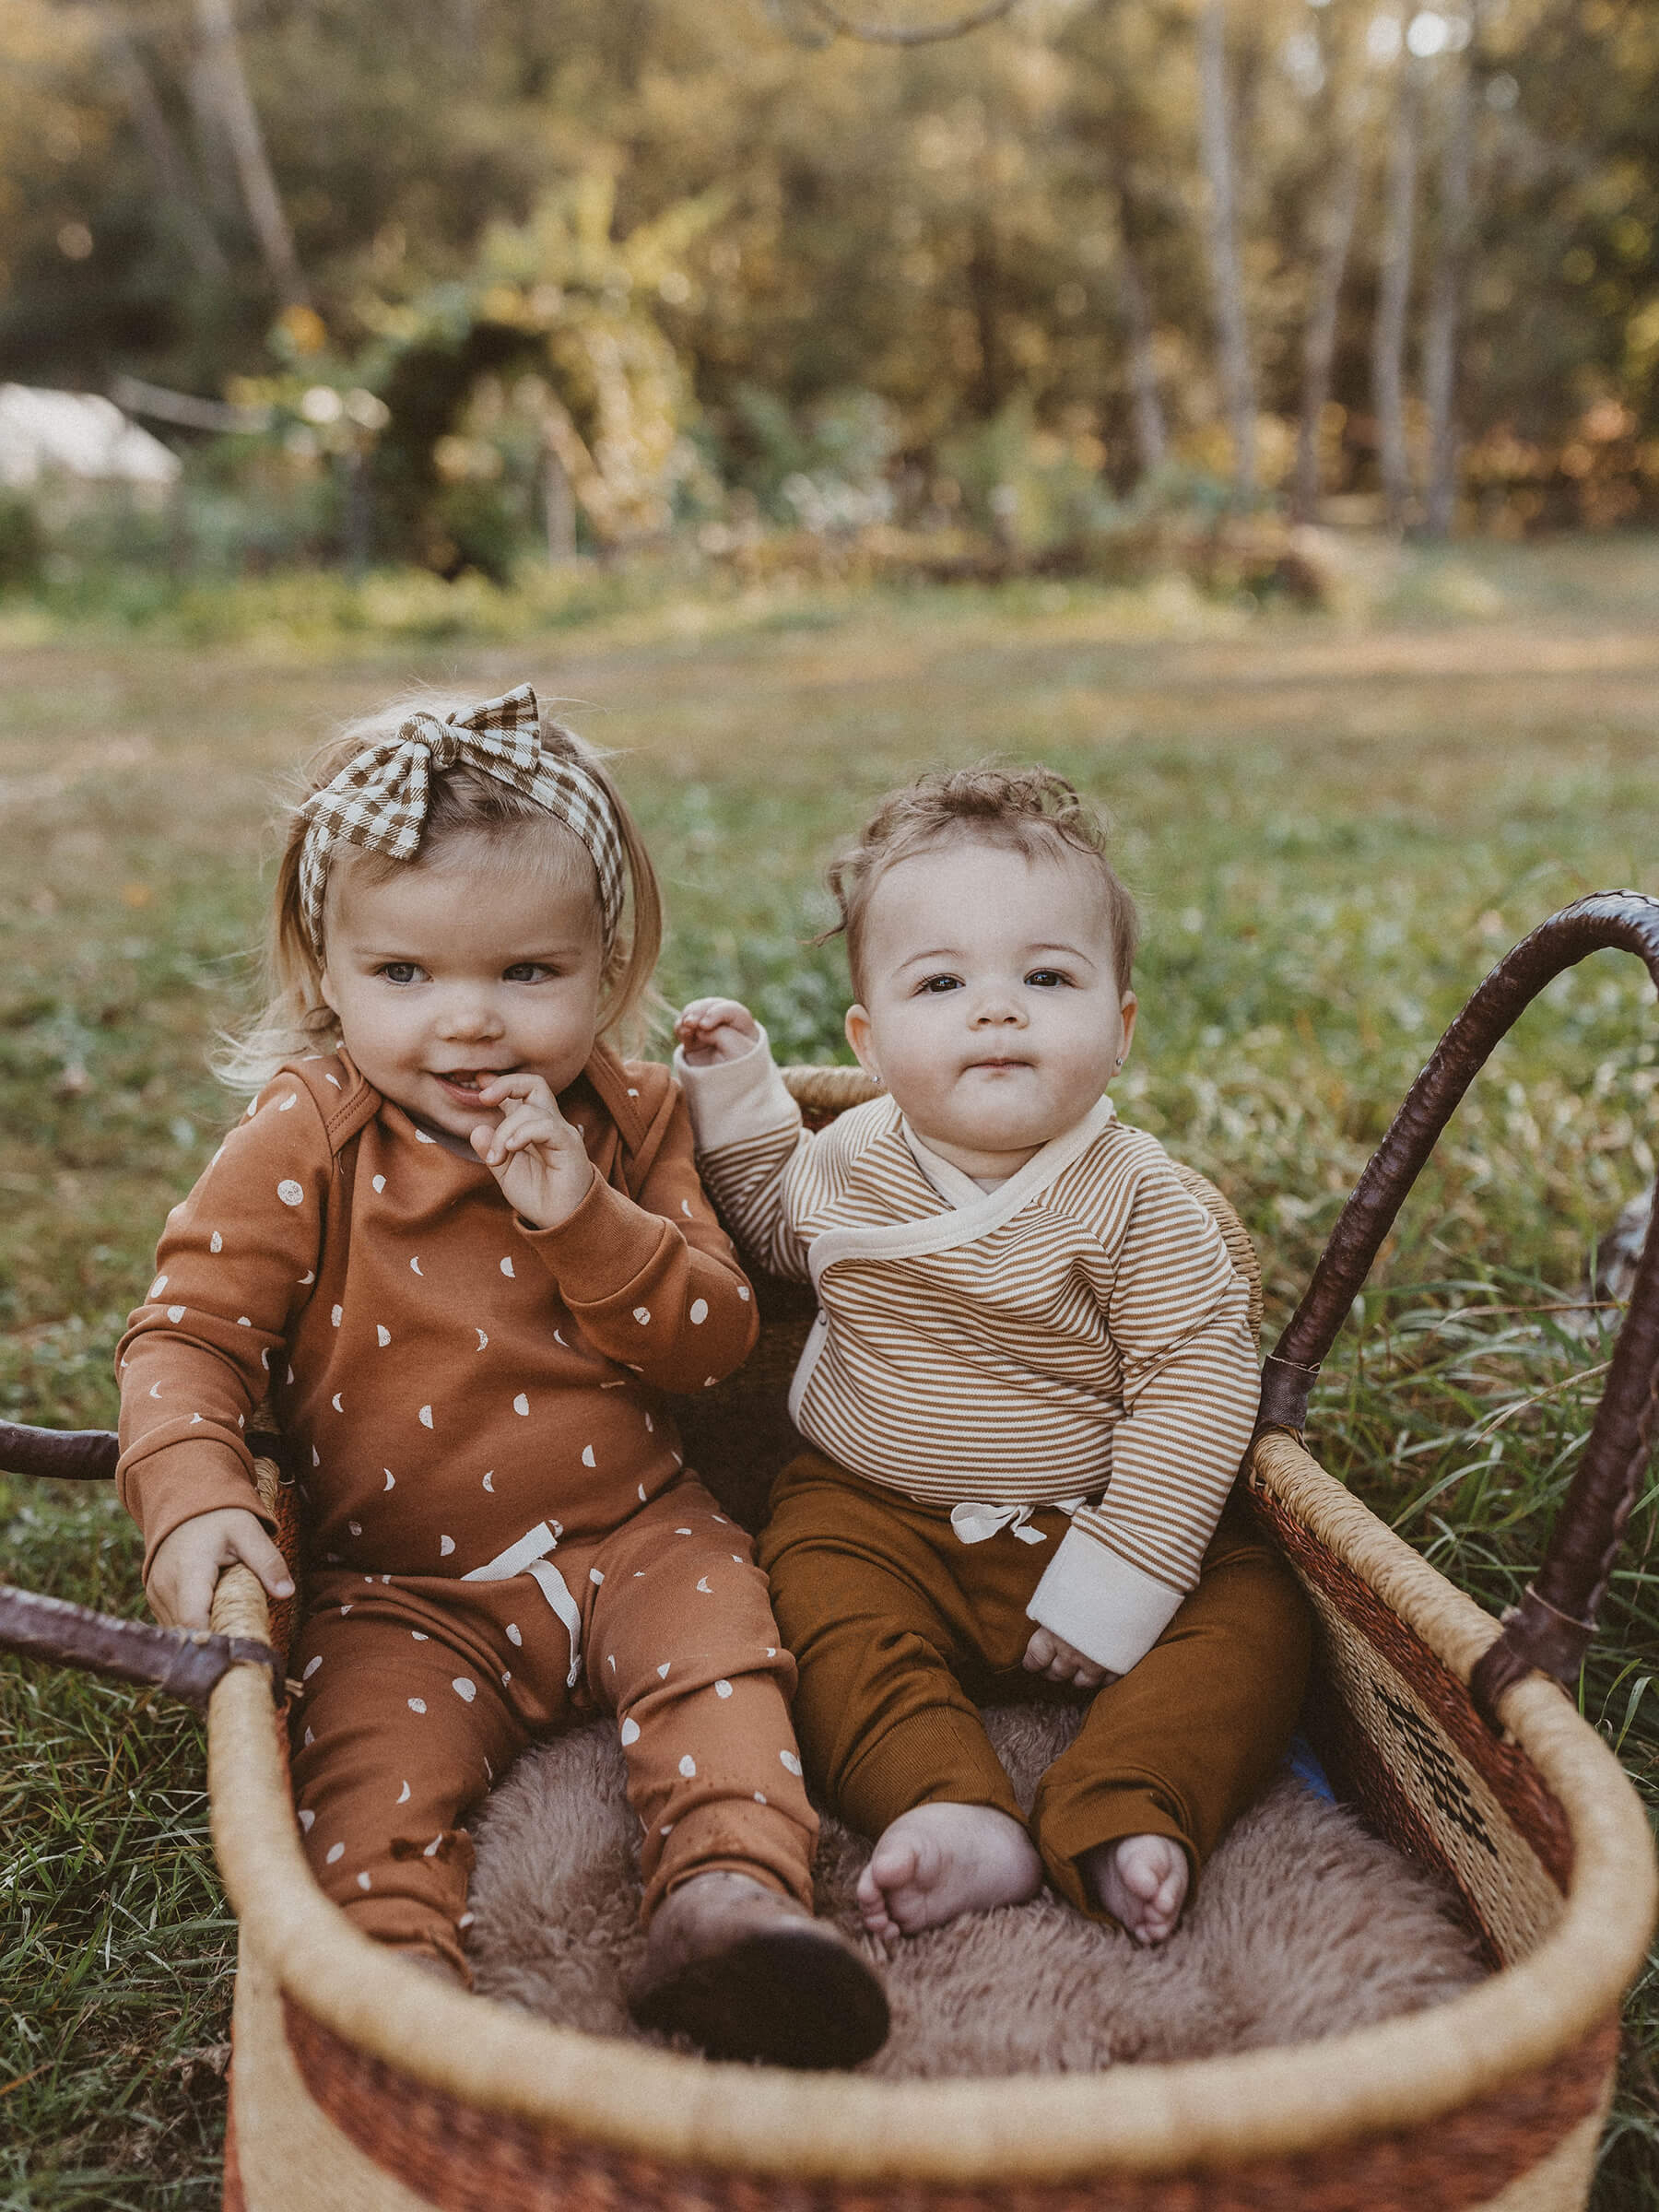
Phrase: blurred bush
(823, 468)
(22, 543)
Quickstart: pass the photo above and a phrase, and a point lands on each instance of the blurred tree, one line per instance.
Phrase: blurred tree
(1124, 119)
(1394, 258)
(224, 84)
(1017, 214)
(1448, 279)
(1327, 64)
(558, 318)
(175, 184)
(1215, 146)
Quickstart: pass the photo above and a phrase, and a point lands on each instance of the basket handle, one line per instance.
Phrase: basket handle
(1552, 1626)
(64, 1455)
(187, 1662)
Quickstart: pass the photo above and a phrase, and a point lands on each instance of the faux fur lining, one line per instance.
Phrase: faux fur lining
(1304, 1926)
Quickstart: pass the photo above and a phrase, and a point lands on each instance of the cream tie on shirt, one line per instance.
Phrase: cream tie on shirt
(976, 1522)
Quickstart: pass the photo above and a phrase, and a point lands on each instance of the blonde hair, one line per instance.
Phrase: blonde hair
(1031, 811)
(465, 802)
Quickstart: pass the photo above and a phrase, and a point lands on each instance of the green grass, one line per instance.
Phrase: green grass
(1335, 823)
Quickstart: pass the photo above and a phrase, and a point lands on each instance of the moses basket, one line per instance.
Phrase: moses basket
(359, 2082)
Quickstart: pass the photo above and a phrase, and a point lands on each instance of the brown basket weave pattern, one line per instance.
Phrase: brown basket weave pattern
(460, 2159)
(1405, 1742)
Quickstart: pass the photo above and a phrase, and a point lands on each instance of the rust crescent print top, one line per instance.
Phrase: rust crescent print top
(447, 1375)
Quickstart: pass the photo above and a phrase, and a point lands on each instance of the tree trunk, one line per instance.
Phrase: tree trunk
(239, 121)
(1393, 290)
(165, 160)
(359, 513)
(1215, 139)
(1318, 339)
(1151, 435)
(558, 509)
(985, 283)
(1151, 438)
(1445, 300)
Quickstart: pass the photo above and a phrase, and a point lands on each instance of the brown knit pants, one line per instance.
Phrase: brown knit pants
(898, 1628)
(418, 1692)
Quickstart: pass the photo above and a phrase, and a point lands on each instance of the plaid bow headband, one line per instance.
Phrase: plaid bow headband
(379, 799)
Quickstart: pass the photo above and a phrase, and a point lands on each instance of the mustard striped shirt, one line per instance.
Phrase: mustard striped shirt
(1076, 1333)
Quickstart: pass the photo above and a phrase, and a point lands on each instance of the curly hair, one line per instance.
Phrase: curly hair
(1031, 811)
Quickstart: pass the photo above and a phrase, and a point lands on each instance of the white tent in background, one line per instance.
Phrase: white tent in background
(76, 434)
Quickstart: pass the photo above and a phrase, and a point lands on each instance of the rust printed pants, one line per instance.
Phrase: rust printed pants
(418, 1692)
(900, 1631)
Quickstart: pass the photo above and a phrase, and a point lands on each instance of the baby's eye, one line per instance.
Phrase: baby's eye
(1045, 979)
(526, 972)
(398, 972)
(936, 984)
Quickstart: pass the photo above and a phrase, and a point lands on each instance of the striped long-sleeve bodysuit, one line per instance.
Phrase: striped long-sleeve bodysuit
(1028, 1404)
(1078, 1332)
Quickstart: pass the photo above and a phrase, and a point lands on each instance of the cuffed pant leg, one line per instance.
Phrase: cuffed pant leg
(1184, 1741)
(396, 1737)
(880, 1634)
(684, 1645)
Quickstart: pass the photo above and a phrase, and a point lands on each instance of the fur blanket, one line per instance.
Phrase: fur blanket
(1304, 1926)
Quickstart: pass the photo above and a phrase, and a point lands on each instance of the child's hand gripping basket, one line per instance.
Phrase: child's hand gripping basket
(359, 2082)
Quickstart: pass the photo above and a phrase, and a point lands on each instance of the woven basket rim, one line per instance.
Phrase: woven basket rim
(1145, 2119)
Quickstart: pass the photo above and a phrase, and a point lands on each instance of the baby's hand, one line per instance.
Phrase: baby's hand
(188, 1562)
(539, 1160)
(1052, 1655)
(715, 1029)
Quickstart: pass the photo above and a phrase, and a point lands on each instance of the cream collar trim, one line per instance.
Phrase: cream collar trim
(969, 1213)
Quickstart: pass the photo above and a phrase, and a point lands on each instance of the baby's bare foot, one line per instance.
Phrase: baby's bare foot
(939, 1860)
(1141, 1881)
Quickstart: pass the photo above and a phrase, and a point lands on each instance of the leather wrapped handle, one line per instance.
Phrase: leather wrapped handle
(187, 1662)
(84, 1454)
(1552, 1626)
(65, 1454)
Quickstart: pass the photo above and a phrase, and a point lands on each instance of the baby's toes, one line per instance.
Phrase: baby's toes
(877, 1919)
(1142, 1876)
(894, 1864)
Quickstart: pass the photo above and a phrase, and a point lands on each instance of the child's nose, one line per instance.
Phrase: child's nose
(997, 1008)
(467, 1014)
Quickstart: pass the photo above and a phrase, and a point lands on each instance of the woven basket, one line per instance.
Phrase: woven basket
(360, 2083)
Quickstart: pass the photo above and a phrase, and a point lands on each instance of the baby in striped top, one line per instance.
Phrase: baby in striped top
(1029, 1388)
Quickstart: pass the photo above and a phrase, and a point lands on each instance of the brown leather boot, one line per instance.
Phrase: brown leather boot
(749, 1974)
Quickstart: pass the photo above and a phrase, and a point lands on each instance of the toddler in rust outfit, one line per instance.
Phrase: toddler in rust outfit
(464, 1247)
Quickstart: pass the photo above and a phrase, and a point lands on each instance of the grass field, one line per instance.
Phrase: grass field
(1335, 823)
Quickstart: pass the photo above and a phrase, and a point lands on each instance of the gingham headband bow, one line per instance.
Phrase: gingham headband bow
(379, 799)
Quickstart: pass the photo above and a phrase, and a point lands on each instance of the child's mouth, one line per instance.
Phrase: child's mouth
(468, 1080)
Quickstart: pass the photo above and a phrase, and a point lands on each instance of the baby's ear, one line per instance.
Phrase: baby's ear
(859, 1037)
